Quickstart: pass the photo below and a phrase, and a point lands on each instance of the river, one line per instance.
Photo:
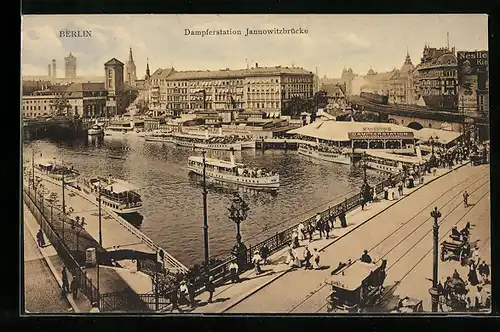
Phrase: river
(173, 203)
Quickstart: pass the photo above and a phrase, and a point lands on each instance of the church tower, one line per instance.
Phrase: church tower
(130, 74)
(148, 75)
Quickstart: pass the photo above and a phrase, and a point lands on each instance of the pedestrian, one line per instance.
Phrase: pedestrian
(316, 258)
(332, 220)
(400, 189)
(301, 231)
(233, 269)
(466, 199)
(310, 230)
(40, 239)
(295, 239)
(327, 228)
(174, 299)
(210, 287)
(342, 217)
(362, 195)
(264, 252)
(319, 227)
(484, 272)
(65, 283)
(472, 276)
(386, 193)
(191, 294)
(475, 255)
(307, 257)
(256, 260)
(478, 298)
(74, 288)
(365, 258)
(184, 293)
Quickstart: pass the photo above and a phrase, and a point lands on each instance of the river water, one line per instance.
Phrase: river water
(173, 202)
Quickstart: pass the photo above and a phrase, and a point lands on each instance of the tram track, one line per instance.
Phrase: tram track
(394, 234)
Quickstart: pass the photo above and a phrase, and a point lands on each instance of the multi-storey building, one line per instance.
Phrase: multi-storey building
(78, 99)
(259, 88)
(113, 83)
(435, 78)
(401, 84)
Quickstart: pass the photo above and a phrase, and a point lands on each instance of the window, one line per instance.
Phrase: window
(110, 73)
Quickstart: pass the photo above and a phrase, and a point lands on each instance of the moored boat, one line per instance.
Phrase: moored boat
(205, 142)
(235, 173)
(159, 136)
(117, 195)
(54, 171)
(326, 153)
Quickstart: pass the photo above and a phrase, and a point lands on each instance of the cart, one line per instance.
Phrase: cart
(458, 250)
(408, 305)
(356, 287)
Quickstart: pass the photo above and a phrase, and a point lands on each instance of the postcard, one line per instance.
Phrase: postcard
(265, 164)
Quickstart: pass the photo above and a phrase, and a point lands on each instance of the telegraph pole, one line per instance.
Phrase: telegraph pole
(100, 217)
(205, 221)
(63, 204)
(434, 290)
(33, 167)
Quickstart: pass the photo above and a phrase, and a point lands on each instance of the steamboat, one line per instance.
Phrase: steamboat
(55, 172)
(326, 153)
(234, 173)
(117, 195)
(205, 142)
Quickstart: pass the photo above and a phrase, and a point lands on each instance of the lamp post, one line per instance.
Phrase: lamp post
(238, 212)
(364, 167)
(205, 219)
(434, 290)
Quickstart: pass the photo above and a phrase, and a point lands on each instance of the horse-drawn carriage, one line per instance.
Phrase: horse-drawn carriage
(454, 294)
(458, 249)
(356, 287)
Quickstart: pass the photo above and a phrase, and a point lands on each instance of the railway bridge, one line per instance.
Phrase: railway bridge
(417, 117)
(36, 128)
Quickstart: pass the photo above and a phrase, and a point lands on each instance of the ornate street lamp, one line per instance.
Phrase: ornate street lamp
(238, 212)
(435, 214)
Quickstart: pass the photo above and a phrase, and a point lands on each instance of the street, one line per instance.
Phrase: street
(402, 235)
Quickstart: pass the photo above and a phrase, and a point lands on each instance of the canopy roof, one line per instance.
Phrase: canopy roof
(119, 186)
(353, 275)
(444, 136)
(339, 130)
(215, 162)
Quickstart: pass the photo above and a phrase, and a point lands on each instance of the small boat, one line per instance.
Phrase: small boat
(391, 162)
(117, 195)
(326, 153)
(95, 130)
(235, 173)
(53, 171)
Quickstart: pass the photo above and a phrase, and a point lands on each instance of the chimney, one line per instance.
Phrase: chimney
(256, 65)
(54, 73)
(233, 162)
(49, 72)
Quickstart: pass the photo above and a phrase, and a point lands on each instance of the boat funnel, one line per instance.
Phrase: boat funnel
(233, 162)
(109, 179)
(206, 134)
(220, 131)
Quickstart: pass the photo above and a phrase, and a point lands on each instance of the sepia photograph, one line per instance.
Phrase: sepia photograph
(255, 164)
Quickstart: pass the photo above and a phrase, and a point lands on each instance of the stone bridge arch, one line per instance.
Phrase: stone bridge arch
(415, 125)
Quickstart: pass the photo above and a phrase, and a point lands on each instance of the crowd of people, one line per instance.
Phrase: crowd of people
(253, 172)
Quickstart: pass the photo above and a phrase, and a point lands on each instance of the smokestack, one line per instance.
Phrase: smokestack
(49, 73)
(256, 65)
(448, 40)
(54, 74)
(233, 162)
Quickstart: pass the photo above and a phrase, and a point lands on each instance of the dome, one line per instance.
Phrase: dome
(447, 59)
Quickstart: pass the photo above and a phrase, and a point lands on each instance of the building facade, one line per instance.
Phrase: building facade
(259, 88)
(401, 84)
(473, 81)
(70, 66)
(435, 79)
(77, 99)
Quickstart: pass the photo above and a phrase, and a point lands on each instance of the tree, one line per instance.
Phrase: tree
(296, 106)
(321, 99)
(60, 106)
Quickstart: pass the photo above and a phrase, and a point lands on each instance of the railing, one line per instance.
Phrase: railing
(128, 301)
(84, 283)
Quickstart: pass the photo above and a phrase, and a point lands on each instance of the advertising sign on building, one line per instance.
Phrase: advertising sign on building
(472, 76)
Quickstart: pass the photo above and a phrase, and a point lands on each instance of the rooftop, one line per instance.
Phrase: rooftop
(339, 130)
(114, 61)
(353, 275)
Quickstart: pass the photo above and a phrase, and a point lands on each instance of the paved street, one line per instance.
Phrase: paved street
(402, 235)
(41, 290)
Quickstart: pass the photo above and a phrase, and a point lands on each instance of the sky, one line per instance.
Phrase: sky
(333, 42)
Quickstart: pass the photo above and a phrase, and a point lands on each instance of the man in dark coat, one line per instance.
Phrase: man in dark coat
(365, 257)
(342, 217)
(65, 283)
(484, 271)
(210, 287)
(74, 288)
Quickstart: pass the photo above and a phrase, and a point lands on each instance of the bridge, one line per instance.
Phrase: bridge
(34, 128)
(417, 117)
